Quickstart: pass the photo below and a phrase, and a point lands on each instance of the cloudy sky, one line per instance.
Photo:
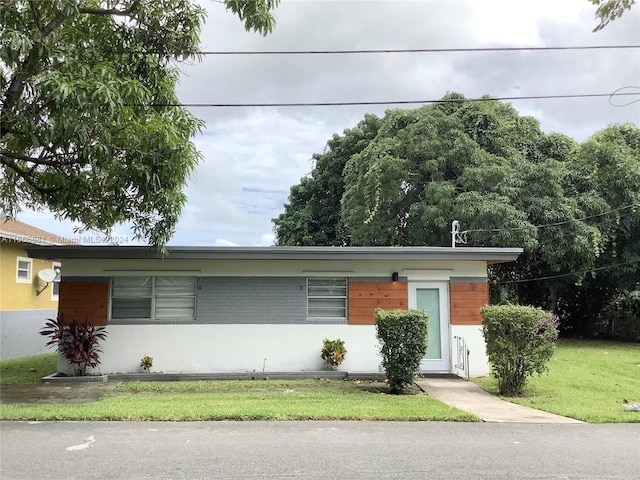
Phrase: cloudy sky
(252, 156)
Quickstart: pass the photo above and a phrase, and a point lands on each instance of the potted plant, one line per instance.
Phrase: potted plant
(333, 353)
(146, 363)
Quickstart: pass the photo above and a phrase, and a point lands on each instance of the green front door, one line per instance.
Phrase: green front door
(433, 298)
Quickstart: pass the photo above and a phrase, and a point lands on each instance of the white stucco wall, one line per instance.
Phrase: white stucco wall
(413, 270)
(478, 360)
(270, 348)
(234, 348)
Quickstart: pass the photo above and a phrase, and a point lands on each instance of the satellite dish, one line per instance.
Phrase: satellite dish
(47, 275)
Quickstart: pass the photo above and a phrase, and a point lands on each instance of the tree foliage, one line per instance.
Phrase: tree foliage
(609, 164)
(90, 128)
(609, 10)
(572, 208)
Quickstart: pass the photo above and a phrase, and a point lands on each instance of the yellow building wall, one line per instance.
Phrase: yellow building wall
(22, 296)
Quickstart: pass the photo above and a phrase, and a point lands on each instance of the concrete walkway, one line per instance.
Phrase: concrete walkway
(471, 398)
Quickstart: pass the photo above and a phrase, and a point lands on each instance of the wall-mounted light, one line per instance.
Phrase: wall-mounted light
(394, 277)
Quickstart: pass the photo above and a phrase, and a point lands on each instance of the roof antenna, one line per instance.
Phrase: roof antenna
(455, 230)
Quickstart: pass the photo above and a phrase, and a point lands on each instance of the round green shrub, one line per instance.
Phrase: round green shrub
(403, 338)
(520, 340)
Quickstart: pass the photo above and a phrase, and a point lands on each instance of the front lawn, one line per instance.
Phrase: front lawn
(246, 400)
(587, 380)
(28, 370)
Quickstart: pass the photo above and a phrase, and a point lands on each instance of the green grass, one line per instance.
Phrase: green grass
(587, 380)
(27, 370)
(255, 385)
(246, 400)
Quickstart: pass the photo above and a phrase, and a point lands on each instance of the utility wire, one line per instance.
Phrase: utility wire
(418, 50)
(386, 102)
(554, 224)
(550, 277)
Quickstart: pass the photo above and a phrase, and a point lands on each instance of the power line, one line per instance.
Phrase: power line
(386, 102)
(418, 50)
(551, 277)
(554, 224)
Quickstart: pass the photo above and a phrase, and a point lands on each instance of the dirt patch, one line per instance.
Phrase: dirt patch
(76, 392)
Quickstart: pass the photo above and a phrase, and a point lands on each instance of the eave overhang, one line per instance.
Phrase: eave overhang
(75, 252)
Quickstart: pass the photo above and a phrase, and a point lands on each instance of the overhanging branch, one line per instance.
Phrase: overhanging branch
(26, 176)
(113, 11)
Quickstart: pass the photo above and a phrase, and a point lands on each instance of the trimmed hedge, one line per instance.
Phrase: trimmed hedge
(520, 340)
(403, 338)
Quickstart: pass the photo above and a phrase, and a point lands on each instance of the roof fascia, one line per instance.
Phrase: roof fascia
(488, 254)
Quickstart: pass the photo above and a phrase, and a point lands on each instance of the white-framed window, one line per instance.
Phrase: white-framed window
(155, 299)
(24, 267)
(55, 285)
(175, 298)
(326, 298)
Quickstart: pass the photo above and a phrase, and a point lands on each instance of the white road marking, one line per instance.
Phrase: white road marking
(83, 446)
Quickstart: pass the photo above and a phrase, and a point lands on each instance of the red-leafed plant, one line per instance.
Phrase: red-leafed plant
(79, 343)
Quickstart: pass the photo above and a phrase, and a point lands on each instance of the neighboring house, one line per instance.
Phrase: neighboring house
(25, 300)
(267, 309)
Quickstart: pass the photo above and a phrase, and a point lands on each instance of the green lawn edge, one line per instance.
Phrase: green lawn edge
(246, 400)
(587, 380)
(28, 370)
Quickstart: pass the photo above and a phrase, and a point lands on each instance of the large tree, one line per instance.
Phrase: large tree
(89, 124)
(608, 163)
(507, 182)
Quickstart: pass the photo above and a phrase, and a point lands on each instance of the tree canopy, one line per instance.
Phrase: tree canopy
(90, 128)
(609, 10)
(402, 180)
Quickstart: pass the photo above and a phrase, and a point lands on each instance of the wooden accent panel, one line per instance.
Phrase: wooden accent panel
(84, 302)
(365, 297)
(466, 300)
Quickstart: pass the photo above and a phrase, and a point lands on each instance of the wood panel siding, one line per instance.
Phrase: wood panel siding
(84, 302)
(466, 300)
(365, 297)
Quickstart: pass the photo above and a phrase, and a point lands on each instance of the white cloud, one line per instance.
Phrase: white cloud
(509, 22)
(266, 240)
(221, 242)
(249, 165)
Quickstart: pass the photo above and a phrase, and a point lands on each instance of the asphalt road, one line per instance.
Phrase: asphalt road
(317, 450)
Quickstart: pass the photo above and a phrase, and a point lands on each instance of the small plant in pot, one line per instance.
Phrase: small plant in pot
(333, 353)
(146, 363)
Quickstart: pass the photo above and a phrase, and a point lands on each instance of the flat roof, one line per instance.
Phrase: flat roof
(80, 252)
